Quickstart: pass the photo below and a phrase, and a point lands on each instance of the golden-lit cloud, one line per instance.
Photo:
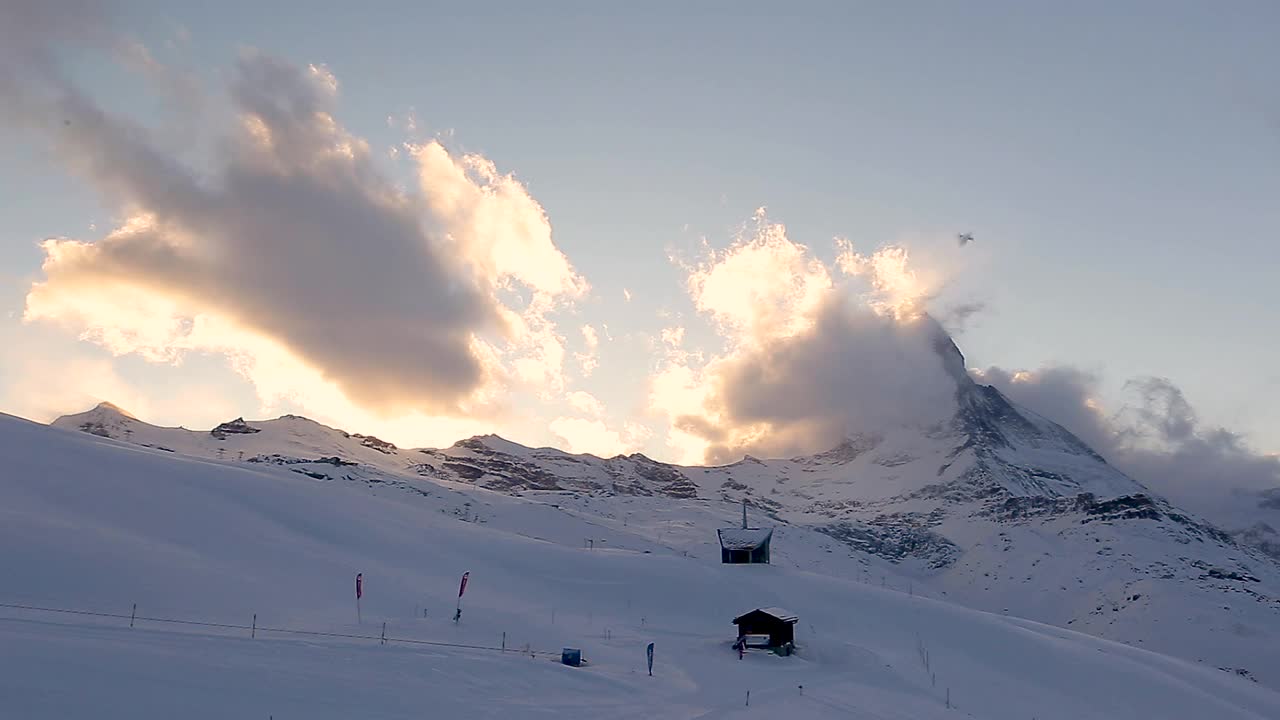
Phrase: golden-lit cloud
(807, 357)
(585, 402)
(324, 283)
(589, 358)
(590, 435)
(896, 288)
(762, 287)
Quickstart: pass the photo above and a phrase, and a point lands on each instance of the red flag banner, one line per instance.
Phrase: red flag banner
(359, 585)
(463, 588)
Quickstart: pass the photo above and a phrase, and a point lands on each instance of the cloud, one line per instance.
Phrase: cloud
(582, 435)
(955, 318)
(1156, 436)
(808, 357)
(44, 388)
(762, 287)
(897, 288)
(673, 336)
(31, 31)
(589, 358)
(585, 402)
(300, 260)
(50, 378)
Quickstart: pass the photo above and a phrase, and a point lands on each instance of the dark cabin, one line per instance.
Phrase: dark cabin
(776, 623)
(744, 545)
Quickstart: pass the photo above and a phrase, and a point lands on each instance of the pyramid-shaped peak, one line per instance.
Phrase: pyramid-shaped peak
(108, 407)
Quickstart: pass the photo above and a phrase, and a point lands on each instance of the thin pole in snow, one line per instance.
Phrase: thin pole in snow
(133, 615)
(254, 632)
(504, 641)
(384, 633)
(748, 698)
(359, 593)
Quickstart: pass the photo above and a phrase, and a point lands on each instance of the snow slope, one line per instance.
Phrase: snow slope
(98, 524)
(999, 510)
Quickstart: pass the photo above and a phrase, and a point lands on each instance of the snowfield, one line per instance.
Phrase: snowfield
(98, 524)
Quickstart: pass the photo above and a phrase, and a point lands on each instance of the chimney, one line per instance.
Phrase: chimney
(744, 513)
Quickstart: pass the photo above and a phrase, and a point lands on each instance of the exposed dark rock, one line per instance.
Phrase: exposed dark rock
(846, 451)
(1241, 672)
(1221, 574)
(1129, 507)
(234, 427)
(95, 428)
(467, 472)
(381, 446)
(276, 459)
(895, 539)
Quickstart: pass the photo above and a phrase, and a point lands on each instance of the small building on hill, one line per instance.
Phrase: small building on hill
(769, 627)
(744, 545)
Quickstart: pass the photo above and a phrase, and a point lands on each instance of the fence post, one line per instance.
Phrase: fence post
(748, 698)
(254, 632)
(948, 698)
(384, 633)
(133, 614)
(504, 641)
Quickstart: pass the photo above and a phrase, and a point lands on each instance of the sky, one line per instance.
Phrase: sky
(695, 230)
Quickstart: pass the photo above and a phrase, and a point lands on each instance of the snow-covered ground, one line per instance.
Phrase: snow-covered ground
(987, 514)
(96, 524)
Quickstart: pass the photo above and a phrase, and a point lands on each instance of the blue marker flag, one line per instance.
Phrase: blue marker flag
(649, 651)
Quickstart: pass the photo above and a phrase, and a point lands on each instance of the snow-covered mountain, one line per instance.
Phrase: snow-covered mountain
(97, 524)
(999, 509)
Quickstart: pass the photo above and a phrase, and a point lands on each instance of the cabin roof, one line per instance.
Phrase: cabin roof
(743, 538)
(778, 613)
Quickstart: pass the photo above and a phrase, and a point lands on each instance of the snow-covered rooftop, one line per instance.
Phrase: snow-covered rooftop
(777, 612)
(744, 538)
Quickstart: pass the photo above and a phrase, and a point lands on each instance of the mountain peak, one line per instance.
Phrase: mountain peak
(493, 443)
(952, 359)
(108, 407)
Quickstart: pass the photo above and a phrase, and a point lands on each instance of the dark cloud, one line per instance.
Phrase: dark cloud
(853, 371)
(296, 235)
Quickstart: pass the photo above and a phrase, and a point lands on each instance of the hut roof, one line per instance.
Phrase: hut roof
(774, 612)
(743, 538)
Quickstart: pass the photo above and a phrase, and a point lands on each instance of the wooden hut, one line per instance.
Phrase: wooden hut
(776, 624)
(744, 545)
